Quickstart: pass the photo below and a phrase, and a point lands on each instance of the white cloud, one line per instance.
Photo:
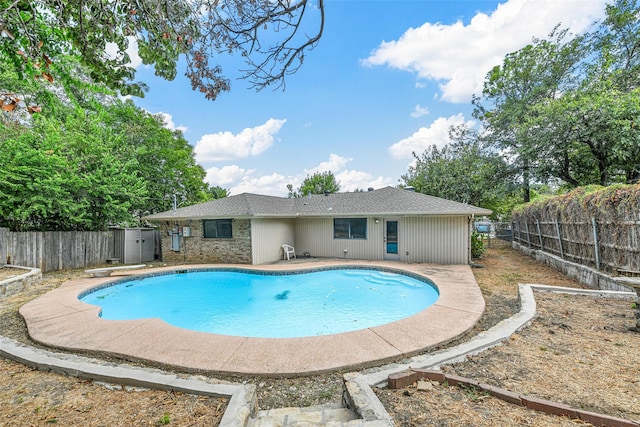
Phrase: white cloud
(249, 142)
(168, 122)
(420, 111)
(226, 175)
(436, 134)
(459, 56)
(239, 180)
(351, 180)
(334, 164)
(111, 50)
(272, 185)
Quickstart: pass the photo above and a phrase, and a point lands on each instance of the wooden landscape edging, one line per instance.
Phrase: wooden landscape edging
(404, 379)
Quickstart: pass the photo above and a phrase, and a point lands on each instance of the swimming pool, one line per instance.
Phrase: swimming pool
(268, 305)
(61, 320)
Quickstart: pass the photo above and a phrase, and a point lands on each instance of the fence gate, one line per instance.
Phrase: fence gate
(504, 231)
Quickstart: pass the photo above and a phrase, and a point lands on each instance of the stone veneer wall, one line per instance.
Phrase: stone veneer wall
(197, 249)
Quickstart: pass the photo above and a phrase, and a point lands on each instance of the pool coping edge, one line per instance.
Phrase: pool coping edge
(358, 394)
(59, 320)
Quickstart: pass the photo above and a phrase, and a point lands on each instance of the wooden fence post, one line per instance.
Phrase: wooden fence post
(526, 227)
(539, 235)
(39, 250)
(595, 243)
(559, 239)
(60, 259)
(4, 245)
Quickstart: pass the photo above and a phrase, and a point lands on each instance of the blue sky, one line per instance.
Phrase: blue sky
(388, 78)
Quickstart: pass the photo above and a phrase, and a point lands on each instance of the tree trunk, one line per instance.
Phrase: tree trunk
(565, 172)
(526, 184)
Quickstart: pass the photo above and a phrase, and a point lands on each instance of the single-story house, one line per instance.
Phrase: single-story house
(384, 224)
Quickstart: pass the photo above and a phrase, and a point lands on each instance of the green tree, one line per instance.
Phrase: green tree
(535, 74)
(19, 98)
(66, 175)
(463, 171)
(272, 36)
(166, 161)
(565, 110)
(318, 183)
(616, 46)
(88, 163)
(217, 192)
(591, 136)
(94, 144)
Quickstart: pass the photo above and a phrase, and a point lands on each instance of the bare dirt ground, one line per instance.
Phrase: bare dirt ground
(33, 398)
(8, 272)
(578, 352)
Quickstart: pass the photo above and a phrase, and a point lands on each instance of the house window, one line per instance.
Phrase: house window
(217, 228)
(350, 228)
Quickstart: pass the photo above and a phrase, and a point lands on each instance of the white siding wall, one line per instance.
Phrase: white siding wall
(441, 240)
(316, 237)
(267, 238)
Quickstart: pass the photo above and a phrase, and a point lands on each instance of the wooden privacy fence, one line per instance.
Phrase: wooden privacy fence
(55, 250)
(606, 245)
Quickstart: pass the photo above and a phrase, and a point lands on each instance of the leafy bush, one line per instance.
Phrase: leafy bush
(477, 245)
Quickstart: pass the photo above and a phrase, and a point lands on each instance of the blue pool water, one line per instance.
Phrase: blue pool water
(268, 305)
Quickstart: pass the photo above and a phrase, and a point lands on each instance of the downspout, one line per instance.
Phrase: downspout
(469, 233)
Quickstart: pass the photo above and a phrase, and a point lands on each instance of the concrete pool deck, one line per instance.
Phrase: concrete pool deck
(58, 319)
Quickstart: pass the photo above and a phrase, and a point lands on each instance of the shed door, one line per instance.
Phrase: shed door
(391, 239)
(148, 245)
(131, 246)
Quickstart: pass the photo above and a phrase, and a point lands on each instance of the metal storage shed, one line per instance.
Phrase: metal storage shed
(135, 245)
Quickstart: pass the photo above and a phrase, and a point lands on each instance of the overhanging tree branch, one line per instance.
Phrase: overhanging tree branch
(271, 36)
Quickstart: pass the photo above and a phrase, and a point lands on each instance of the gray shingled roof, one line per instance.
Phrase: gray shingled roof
(387, 201)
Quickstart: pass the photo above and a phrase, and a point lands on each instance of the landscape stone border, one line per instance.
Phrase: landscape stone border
(361, 399)
(406, 378)
(358, 394)
(14, 285)
(591, 277)
(241, 406)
